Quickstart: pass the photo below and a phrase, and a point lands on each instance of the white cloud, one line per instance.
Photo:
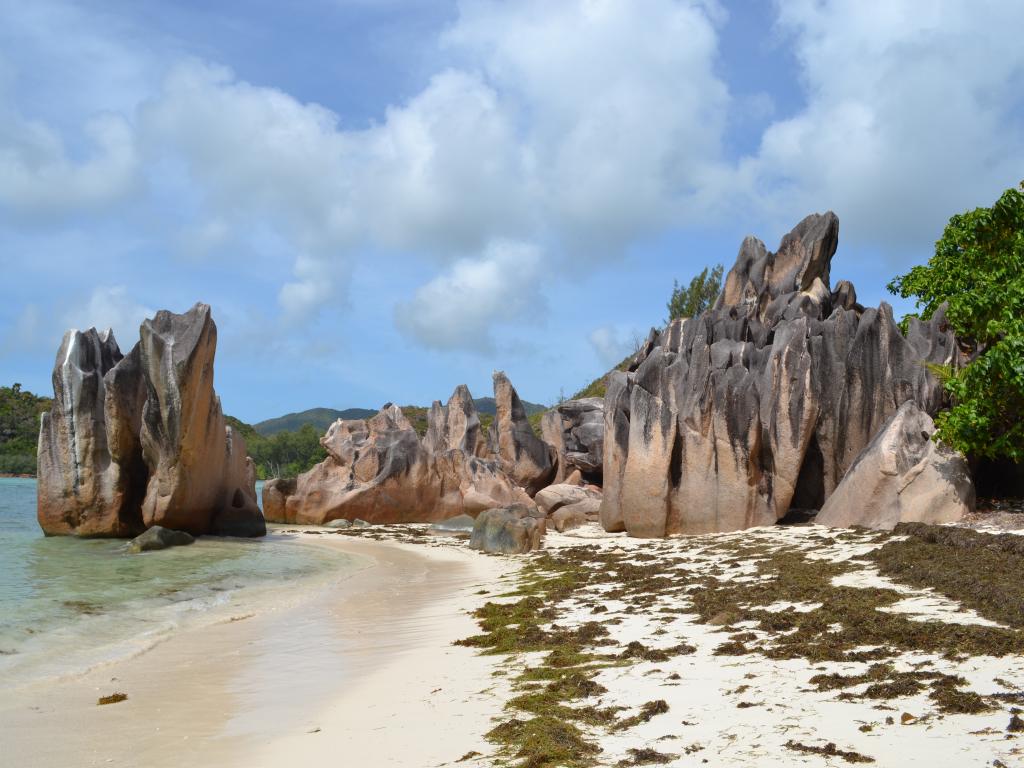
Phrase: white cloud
(914, 112)
(613, 343)
(457, 309)
(38, 177)
(110, 307)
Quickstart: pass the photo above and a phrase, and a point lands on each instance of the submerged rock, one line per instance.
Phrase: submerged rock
(903, 476)
(508, 531)
(138, 441)
(158, 537)
(763, 402)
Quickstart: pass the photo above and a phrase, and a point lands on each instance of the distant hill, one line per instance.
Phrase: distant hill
(19, 429)
(322, 418)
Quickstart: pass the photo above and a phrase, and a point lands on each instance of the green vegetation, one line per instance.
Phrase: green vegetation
(978, 268)
(320, 418)
(282, 454)
(19, 429)
(697, 296)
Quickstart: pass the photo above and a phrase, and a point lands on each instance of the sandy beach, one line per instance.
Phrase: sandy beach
(362, 672)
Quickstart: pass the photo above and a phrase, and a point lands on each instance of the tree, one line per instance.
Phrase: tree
(978, 270)
(697, 296)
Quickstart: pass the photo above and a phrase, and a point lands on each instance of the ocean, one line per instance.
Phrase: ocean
(68, 605)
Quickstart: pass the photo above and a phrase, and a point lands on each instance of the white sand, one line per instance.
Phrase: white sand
(706, 725)
(363, 673)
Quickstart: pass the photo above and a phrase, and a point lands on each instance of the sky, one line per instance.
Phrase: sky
(382, 199)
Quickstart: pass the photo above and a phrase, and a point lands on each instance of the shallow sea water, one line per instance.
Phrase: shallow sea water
(68, 604)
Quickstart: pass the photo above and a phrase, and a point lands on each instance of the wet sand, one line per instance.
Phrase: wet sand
(362, 672)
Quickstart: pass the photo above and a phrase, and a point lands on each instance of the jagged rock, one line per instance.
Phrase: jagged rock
(527, 459)
(555, 496)
(575, 429)
(455, 425)
(158, 537)
(137, 441)
(91, 476)
(378, 469)
(762, 403)
(509, 530)
(902, 476)
(275, 493)
(201, 480)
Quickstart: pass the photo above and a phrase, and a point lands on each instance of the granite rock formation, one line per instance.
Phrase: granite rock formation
(527, 459)
(380, 470)
(511, 530)
(902, 476)
(575, 429)
(91, 475)
(140, 440)
(763, 402)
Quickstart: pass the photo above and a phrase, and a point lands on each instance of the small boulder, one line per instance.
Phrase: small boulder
(158, 537)
(508, 530)
(275, 497)
(555, 496)
(357, 523)
(567, 518)
(341, 522)
(902, 476)
(460, 525)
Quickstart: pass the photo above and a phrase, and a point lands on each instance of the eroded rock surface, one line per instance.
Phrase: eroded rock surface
(508, 531)
(575, 429)
(903, 476)
(527, 459)
(138, 441)
(379, 469)
(763, 402)
(91, 478)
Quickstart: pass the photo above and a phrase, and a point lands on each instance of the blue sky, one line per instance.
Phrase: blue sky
(384, 199)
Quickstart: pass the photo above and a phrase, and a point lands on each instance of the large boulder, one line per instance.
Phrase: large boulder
(508, 531)
(575, 429)
(275, 496)
(902, 476)
(137, 441)
(379, 469)
(91, 474)
(763, 402)
(556, 496)
(527, 459)
(201, 479)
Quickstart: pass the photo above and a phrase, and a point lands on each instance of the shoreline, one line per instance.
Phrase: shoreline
(317, 677)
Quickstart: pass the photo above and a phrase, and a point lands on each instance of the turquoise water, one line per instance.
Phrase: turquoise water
(68, 604)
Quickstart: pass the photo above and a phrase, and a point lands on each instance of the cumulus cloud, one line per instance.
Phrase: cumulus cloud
(458, 308)
(612, 343)
(110, 307)
(38, 177)
(914, 112)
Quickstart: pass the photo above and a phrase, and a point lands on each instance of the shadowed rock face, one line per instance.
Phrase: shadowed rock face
(575, 429)
(902, 476)
(763, 402)
(140, 441)
(379, 470)
(527, 459)
(89, 456)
